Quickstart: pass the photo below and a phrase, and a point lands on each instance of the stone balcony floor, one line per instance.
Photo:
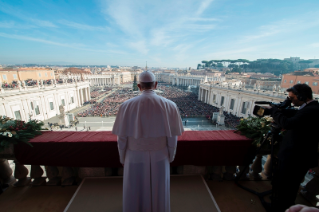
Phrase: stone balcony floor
(227, 194)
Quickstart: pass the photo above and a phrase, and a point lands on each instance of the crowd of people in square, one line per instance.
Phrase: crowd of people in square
(187, 103)
(110, 105)
(190, 106)
(14, 84)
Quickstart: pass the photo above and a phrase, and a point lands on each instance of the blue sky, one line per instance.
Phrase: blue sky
(166, 33)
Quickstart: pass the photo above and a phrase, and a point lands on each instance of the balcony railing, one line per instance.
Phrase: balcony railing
(230, 159)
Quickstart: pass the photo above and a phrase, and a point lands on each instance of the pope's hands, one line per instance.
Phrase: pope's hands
(301, 208)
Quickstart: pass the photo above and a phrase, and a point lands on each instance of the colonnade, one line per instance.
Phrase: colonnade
(83, 95)
(101, 81)
(186, 81)
(236, 101)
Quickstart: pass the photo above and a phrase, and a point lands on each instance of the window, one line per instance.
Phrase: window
(37, 110)
(51, 106)
(315, 83)
(222, 101)
(214, 98)
(307, 83)
(46, 74)
(32, 108)
(232, 103)
(51, 74)
(63, 102)
(291, 81)
(298, 82)
(14, 76)
(17, 114)
(72, 99)
(4, 77)
(244, 107)
(285, 81)
(39, 74)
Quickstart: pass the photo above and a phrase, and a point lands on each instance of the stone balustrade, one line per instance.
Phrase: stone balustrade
(40, 86)
(67, 176)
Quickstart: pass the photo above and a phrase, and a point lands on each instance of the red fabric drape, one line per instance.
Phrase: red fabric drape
(99, 149)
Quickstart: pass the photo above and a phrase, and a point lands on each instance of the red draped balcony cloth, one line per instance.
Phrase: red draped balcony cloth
(99, 149)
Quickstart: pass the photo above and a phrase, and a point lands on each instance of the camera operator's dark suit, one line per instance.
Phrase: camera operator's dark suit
(298, 150)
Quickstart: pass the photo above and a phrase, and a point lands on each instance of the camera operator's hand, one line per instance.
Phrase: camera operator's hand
(301, 208)
(267, 107)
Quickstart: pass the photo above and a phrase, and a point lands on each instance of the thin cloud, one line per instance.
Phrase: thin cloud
(24, 16)
(39, 40)
(14, 25)
(75, 25)
(140, 46)
(284, 26)
(145, 27)
(204, 19)
(203, 6)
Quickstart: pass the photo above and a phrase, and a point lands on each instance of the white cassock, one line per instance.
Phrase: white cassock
(147, 127)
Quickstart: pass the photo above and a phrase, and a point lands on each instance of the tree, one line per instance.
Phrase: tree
(232, 65)
(220, 65)
(237, 69)
(305, 63)
(205, 62)
(199, 66)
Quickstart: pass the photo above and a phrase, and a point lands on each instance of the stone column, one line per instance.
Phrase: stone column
(53, 175)
(216, 172)
(257, 167)
(78, 104)
(229, 173)
(88, 93)
(245, 175)
(36, 173)
(199, 93)
(6, 172)
(267, 167)
(21, 173)
(68, 176)
(81, 94)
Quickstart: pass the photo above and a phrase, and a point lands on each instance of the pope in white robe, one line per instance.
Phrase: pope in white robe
(147, 127)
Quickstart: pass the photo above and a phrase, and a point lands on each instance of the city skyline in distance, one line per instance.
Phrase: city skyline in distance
(166, 34)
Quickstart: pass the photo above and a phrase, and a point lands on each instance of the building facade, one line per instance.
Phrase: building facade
(288, 80)
(42, 102)
(186, 79)
(236, 100)
(8, 76)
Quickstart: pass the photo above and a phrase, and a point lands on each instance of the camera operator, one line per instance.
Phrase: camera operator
(298, 150)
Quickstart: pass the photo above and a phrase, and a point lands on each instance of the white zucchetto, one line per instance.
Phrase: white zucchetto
(147, 76)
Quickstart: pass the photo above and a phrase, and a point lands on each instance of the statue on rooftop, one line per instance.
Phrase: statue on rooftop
(274, 87)
(221, 110)
(61, 108)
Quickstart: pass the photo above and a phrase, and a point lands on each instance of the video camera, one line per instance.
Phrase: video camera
(262, 111)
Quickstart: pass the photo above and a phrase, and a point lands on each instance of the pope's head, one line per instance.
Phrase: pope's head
(147, 81)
